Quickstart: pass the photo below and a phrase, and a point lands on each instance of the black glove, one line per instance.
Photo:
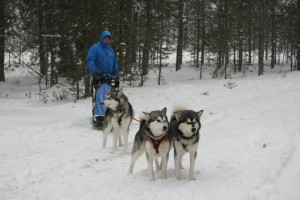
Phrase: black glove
(117, 83)
(96, 75)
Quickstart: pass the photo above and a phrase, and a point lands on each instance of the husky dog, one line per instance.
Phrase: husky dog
(118, 117)
(152, 137)
(184, 128)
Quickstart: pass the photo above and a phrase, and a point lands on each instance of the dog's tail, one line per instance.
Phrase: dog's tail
(143, 119)
(178, 108)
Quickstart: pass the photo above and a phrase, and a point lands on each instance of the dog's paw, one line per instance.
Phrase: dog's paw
(178, 175)
(163, 176)
(113, 152)
(126, 151)
(151, 176)
(191, 178)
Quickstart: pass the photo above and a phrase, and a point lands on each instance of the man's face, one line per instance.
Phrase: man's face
(107, 40)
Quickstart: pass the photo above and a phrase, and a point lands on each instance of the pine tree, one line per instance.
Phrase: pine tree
(2, 39)
(261, 34)
(298, 35)
(180, 35)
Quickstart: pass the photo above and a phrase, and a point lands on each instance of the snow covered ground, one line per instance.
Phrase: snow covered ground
(249, 147)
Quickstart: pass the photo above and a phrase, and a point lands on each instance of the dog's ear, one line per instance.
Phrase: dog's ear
(164, 110)
(178, 116)
(120, 93)
(145, 116)
(200, 113)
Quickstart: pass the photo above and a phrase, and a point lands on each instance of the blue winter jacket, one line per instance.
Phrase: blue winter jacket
(102, 57)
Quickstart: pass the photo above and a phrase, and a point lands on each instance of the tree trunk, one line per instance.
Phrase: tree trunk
(180, 36)
(203, 37)
(43, 67)
(147, 39)
(291, 56)
(261, 38)
(225, 38)
(197, 49)
(249, 32)
(240, 53)
(266, 42)
(240, 37)
(130, 52)
(298, 36)
(160, 63)
(121, 34)
(273, 36)
(2, 39)
(234, 58)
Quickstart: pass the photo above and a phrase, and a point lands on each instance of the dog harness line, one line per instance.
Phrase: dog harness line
(156, 141)
(119, 117)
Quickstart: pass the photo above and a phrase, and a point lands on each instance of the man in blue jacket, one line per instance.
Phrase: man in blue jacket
(103, 64)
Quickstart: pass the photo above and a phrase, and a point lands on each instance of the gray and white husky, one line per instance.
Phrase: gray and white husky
(117, 118)
(184, 128)
(153, 139)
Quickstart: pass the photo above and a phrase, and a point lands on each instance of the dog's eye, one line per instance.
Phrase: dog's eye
(158, 120)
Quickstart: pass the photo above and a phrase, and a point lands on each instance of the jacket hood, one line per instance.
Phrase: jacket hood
(103, 35)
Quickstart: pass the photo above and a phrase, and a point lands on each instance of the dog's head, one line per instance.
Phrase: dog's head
(156, 121)
(188, 122)
(113, 99)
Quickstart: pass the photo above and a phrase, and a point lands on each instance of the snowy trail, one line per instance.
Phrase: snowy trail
(249, 146)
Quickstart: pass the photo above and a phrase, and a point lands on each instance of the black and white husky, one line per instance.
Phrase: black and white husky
(152, 138)
(184, 128)
(118, 117)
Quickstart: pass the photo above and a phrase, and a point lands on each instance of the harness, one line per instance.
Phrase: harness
(184, 146)
(119, 117)
(156, 140)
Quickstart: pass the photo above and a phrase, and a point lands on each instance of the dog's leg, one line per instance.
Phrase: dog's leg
(164, 163)
(134, 156)
(177, 160)
(115, 136)
(193, 156)
(180, 165)
(120, 139)
(125, 135)
(158, 166)
(105, 134)
(150, 166)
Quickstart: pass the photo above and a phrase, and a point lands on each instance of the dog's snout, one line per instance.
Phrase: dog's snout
(165, 128)
(194, 130)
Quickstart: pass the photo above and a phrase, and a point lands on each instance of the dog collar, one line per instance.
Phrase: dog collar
(180, 135)
(186, 138)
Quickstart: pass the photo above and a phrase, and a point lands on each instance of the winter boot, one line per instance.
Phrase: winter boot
(98, 121)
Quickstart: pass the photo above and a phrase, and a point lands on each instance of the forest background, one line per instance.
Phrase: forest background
(52, 38)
